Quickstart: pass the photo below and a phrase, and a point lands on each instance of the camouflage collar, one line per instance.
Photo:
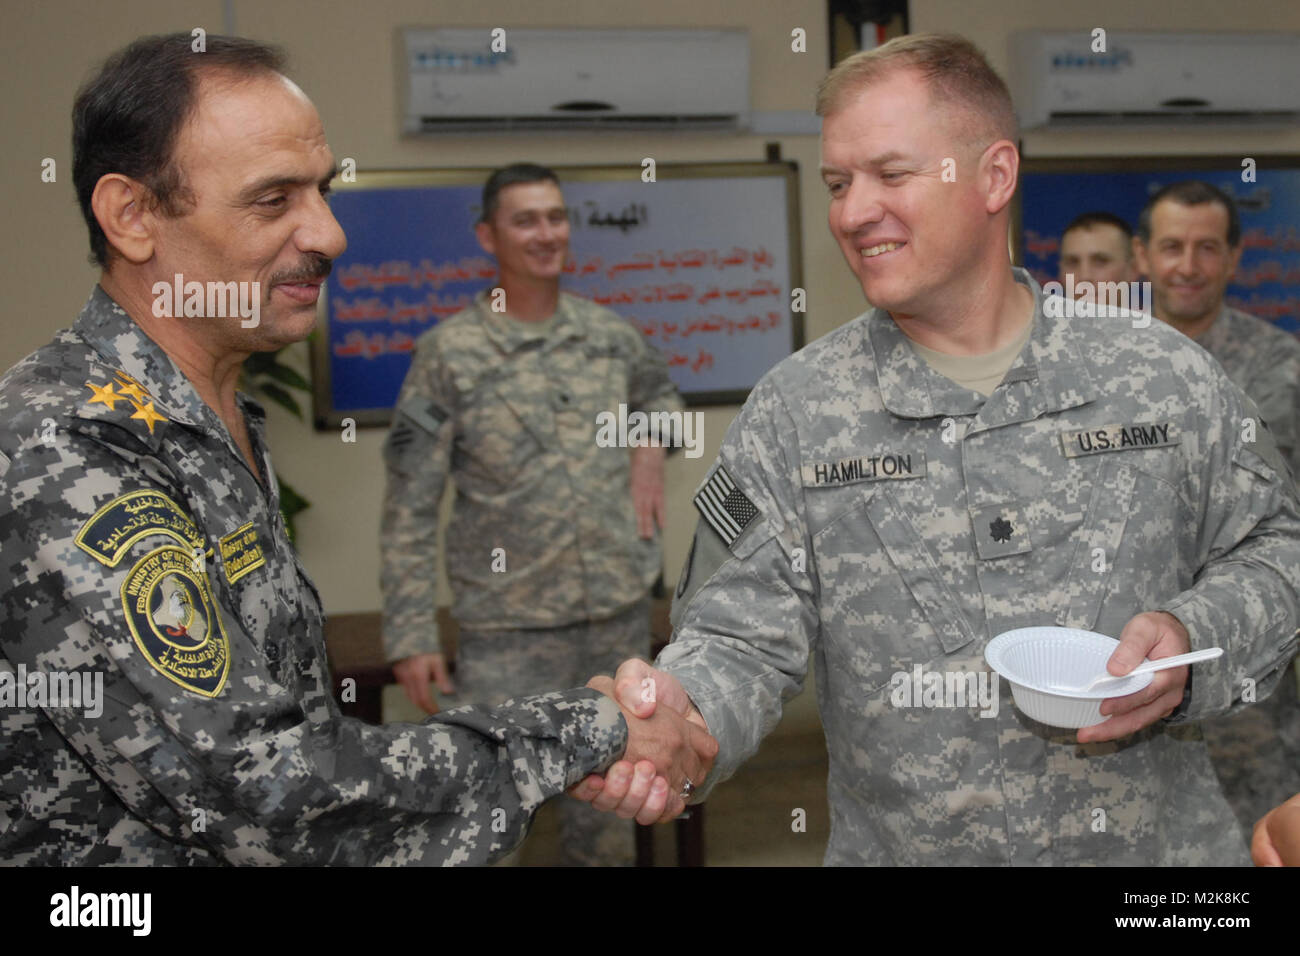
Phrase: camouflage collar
(1052, 367)
(144, 372)
(510, 334)
(1219, 336)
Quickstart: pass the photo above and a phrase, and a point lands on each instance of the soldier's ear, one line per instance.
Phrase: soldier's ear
(1140, 256)
(1001, 167)
(122, 208)
(486, 237)
(1235, 254)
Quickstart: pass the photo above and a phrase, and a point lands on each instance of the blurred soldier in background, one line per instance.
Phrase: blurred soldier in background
(1097, 247)
(553, 543)
(1189, 244)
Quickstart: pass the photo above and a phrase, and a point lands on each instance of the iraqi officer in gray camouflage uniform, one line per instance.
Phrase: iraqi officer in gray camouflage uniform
(892, 517)
(142, 543)
(1189, 244)
(552, 546)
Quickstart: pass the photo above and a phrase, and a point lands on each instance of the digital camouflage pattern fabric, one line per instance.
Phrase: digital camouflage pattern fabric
(543, 532)
(1264, 362)
(1256, 751)
(901, 520)
(547, 569)
(494, 666)
(137, 543)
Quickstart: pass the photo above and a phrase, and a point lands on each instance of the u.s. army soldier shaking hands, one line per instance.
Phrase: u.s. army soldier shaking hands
(1096, 473)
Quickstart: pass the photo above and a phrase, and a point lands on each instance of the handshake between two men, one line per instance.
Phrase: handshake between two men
(669, 748)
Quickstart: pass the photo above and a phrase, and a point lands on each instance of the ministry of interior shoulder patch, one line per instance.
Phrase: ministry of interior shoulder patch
(109, 533)
(175, 622)
(724, 506)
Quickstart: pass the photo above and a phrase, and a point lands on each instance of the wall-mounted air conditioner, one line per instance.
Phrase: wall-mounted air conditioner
(1155, 78)
(509, 79)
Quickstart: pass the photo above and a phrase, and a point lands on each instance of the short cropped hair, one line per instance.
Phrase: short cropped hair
(958, 75)
(127, 118)
(1191, 192)
(1089, 219)
(514, 175)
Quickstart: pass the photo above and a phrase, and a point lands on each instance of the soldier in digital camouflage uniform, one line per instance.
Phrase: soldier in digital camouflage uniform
(141, 539)
(871, 509)
(1264, 362)
(549, 561)
(1189, 235)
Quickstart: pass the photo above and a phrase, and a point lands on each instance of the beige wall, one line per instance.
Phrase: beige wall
(342, 55)
(990, 23)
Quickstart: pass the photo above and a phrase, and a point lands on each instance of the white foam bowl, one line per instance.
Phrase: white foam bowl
(1034, 659)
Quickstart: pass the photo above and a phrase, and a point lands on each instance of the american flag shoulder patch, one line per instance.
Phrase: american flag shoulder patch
(412, 416)
(724, 506)
(425, 412)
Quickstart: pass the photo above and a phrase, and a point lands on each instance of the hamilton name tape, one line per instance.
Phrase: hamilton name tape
(847, 471)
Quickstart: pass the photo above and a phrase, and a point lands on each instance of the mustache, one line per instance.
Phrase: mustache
(317, 267)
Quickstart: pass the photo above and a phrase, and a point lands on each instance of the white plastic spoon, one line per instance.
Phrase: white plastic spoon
(1164, 663)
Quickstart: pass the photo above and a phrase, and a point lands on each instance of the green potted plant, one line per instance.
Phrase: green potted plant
(267, 378)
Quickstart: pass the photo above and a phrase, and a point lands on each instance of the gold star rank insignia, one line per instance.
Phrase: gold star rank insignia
(145, 412)
(105, 395)
(131, 388)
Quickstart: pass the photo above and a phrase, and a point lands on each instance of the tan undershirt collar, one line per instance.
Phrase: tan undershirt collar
(980, 373)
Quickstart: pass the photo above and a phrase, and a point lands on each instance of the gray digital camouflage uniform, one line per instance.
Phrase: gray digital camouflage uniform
(543, 539)
(1256, 751)
(870, 510)
(137, 543)
(1264, 362)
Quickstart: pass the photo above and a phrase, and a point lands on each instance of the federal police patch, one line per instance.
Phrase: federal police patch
(109, 533)
(175, 622)
(724, 506)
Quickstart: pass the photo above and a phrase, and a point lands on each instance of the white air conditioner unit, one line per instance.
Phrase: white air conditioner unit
(1155, 78)
(510, 78)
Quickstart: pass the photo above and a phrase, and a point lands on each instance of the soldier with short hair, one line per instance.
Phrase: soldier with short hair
(553, 541)
(142, 542)
(1090, 472)
(1189, 243)
(1096, 247)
